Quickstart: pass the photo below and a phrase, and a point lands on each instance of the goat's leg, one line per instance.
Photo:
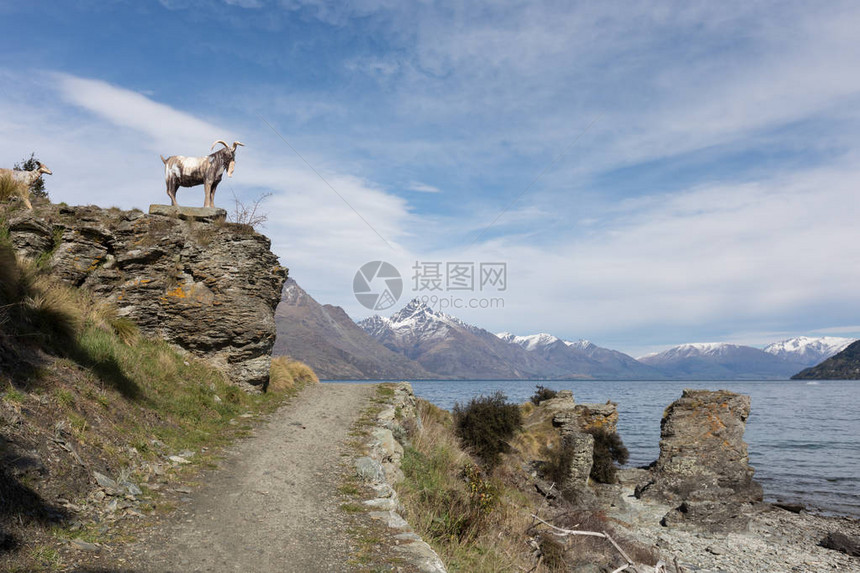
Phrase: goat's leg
(26, 199)
(212, 193)
(171, 192)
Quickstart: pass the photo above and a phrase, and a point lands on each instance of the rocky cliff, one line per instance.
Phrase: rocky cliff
(206, 286)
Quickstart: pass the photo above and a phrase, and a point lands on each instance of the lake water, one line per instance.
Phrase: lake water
(804, 437)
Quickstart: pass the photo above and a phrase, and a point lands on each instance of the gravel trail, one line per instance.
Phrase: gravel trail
(273, 504)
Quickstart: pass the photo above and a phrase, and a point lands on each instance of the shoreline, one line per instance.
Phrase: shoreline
(776, 540)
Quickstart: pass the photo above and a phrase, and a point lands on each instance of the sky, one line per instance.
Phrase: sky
(649, 174)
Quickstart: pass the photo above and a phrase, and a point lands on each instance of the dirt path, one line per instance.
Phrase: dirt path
(273, 505)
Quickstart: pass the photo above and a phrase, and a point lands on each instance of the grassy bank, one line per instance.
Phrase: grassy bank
(82, 392)
(470, 491)
(475, 521)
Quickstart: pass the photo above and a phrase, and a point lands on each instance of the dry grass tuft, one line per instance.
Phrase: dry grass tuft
(35, 306)
(286, 374)
(10, 188)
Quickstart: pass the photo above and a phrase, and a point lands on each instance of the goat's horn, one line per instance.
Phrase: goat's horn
(222, 142)
(235, 143)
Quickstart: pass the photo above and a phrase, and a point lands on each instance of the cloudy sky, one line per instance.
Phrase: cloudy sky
(650, 173)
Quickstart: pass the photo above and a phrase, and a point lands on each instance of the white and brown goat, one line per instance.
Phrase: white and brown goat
(181, 171)
(25, 180)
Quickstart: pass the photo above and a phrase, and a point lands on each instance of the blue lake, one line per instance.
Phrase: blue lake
(804, 437)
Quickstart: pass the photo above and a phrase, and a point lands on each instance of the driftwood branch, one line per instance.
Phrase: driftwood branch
(565, 532)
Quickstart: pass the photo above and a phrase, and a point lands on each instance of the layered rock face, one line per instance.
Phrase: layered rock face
(703, 460)
(208, 287)
(574, 422)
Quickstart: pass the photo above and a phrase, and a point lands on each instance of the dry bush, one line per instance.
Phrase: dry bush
(486, 425)
(249, 213)
(608, 449)
(286, 374)
(553, 552)
(542, 393)
(582, 550)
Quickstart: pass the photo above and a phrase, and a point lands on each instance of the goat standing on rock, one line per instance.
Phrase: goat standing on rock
(180, 171)
(25, 179)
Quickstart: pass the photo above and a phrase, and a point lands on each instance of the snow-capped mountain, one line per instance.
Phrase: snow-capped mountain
(326, 338)
(808, 351)
(447, 346)
(719, 361)
(580, 359)
(414, 323)
(532, 341)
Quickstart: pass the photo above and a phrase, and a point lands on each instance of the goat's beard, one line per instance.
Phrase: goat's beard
(230, 168)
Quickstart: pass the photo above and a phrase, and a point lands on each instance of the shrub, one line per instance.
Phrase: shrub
(486, 424)
(557, 467)
(542, 393)
(249, 213)
(608, 448)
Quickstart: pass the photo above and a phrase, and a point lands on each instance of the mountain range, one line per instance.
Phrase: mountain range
(418, 342)
(327, 339)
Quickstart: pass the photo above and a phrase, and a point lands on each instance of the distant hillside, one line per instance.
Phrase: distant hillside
(325, 338)
(843, 366)
(719, 361)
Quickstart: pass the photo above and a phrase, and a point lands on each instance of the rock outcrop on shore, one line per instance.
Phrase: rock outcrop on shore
(703, 463)
(206, 286)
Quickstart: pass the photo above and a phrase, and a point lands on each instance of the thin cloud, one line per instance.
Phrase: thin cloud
(422, 188)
